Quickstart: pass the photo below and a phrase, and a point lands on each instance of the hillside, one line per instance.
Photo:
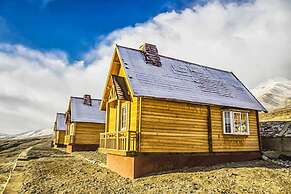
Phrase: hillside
(3, 135)
(28, 134)
(33, 134)
(275, 95)
(283, 114)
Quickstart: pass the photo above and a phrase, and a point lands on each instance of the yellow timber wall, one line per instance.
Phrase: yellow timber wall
(168, 126)
(88, 133)
(173, 127)
(60, 137)
(112, 117)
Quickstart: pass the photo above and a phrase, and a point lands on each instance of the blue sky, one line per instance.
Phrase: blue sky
(75, 26)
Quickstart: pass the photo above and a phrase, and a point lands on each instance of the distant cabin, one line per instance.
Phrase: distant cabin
(59, 130)
(164, 113)
(84, 122)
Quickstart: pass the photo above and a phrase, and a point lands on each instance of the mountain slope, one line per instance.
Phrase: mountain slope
(3, 135)
(33, 133)
(274, 94)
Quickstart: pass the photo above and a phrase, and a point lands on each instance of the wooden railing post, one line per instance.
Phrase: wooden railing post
(128, 140)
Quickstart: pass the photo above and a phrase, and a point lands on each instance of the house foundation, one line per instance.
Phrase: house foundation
(81, 147)
(59, 145)
(142, 165)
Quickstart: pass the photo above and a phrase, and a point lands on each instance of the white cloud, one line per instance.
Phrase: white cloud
(252, 40)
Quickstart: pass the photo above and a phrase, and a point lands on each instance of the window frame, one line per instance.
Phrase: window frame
(232, 124)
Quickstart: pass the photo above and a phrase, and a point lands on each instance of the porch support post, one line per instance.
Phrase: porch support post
(128, 120)
(106, 124)
(259, 131)
(209, 123)
(118, 123)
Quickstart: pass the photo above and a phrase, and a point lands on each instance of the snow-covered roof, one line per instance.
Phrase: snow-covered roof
(60, 122)
(81, 112)
(184, 81)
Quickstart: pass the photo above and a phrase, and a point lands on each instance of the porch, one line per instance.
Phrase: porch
(121, 143)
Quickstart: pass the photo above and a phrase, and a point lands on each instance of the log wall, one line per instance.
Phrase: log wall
(168, 126)
(173, 127)
(88, 133)
(60, 137)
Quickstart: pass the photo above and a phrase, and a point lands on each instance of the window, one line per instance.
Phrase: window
(227, 122)
(123, 117)
(235, 123)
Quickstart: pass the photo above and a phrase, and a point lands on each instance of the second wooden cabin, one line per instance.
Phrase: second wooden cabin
(59, 130)
(84, 123)
(164, 113)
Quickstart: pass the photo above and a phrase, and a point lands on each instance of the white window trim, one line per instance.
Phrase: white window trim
(232, 123)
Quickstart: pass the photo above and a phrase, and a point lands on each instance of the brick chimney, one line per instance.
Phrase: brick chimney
(87, 100)
(151, 54)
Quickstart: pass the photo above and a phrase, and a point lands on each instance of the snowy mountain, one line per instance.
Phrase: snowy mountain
(3, 135)
(33, 133)
(274, 94)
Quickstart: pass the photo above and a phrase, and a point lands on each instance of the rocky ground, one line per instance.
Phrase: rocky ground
(52, 171)
(9, 150)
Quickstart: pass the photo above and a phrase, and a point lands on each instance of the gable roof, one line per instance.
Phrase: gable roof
(81, 112)
(60, 122)
(184, 81)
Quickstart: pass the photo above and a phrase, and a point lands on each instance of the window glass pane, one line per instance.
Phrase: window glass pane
(123, 117)
(236, 122)
(227, 122)
(244, 123)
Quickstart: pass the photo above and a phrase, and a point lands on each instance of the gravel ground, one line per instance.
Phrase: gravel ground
(76, 175)
(9, 150)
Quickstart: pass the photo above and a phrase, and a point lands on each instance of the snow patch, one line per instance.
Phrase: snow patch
(33, 133)
(274, 94)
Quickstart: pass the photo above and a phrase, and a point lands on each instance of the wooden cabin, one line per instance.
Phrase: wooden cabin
(164, 113)
(84, 123)
(59, 131)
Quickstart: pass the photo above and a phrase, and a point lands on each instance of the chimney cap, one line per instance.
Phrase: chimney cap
(87, 100)
(151, 54)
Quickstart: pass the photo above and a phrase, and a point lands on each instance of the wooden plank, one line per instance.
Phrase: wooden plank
(209, 129)
(174, 134)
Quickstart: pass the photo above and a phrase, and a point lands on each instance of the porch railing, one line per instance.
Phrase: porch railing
(123, 140)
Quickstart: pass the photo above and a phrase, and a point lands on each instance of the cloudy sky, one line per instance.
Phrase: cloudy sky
(53, 49)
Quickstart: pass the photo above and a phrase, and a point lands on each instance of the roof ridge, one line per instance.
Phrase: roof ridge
(181, 60)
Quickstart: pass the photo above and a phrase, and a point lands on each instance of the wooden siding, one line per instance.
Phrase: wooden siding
(88, 133)
(59, 137)
(173, 127)
(69, 132)
(233, 143)
(112, 117)
(134, 112)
